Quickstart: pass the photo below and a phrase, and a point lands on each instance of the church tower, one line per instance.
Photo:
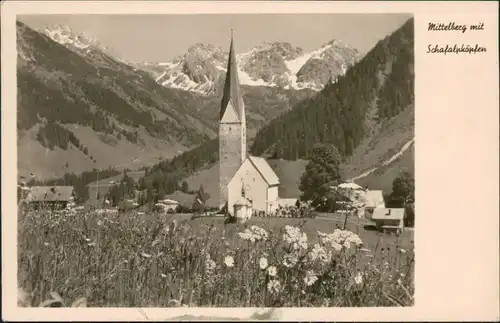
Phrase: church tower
(232, 127)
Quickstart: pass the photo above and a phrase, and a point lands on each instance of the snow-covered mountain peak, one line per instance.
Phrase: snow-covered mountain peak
(64, 35)
(270, 63)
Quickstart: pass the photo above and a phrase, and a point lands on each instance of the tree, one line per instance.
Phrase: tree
(184, 187)
(403, 190)
(199, 203)
(321, 173)
(354, 199)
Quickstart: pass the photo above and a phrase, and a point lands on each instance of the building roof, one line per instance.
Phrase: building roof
(374, 198)
(350, 185)
(265, 170)
(243, 201)
(50, 194)
(169, 201)
(232, 92)
(388, 214)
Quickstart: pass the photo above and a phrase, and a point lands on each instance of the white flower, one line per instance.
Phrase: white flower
(229, 261)
(209, 263)
(310, 278)
(290, 260)
(259, 232)
(253, 234)
(145, 255)
(263, 263)
(358, 279)
(340, 238)
(247, 236)
(163, 275)
(272, 271)
(318, 252)
(273, 286)
(402, 250)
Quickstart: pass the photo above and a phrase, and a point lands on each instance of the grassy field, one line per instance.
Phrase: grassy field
(128, 260)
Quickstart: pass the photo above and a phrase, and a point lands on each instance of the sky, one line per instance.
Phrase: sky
(158, 38)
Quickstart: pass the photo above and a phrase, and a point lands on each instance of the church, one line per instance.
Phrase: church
(241, 177)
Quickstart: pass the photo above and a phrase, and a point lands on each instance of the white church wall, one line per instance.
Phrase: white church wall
(272, 196)
(256, 188)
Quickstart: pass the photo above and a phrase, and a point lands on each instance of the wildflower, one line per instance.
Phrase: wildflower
(258, 231)
(163, 275)
(318, 252)
(290, 260)
(229, 261)
(46, 244)
(272, 271)
(209, 263)
(145, 255)
(87, 239)
(402, 250)
(310, 278)
(294, 237)
(273, 286)
(248, 236)
(358, 279)
(399, 281)
(253, 234)
(263, 263)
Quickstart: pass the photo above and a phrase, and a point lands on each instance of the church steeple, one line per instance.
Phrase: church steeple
(232, 127)
(232, 92)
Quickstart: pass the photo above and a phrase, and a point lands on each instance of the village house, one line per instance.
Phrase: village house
(374, 199)
(240, 175)
(52, 197)
(168, 205)
(389, 219)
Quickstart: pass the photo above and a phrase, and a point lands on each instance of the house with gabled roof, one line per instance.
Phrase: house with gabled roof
(53, 197)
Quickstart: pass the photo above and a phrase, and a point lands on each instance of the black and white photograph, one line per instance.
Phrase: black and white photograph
(216, 160)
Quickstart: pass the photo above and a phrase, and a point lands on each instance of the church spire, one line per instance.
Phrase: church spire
(232, 93)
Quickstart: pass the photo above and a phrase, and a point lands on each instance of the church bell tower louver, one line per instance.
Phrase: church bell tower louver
(232, 127)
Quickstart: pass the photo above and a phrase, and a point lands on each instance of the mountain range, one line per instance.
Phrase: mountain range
(271, 64)
(82, 107)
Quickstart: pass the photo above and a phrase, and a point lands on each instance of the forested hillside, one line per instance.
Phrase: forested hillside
(376, 89)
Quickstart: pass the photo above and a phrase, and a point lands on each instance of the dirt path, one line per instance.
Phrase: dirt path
(388, 161)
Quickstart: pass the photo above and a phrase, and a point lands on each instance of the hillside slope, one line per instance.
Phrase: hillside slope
(358, 106)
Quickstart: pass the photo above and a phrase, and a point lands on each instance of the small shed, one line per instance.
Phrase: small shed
(242, 209)
(389, 219)
(52, 197)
